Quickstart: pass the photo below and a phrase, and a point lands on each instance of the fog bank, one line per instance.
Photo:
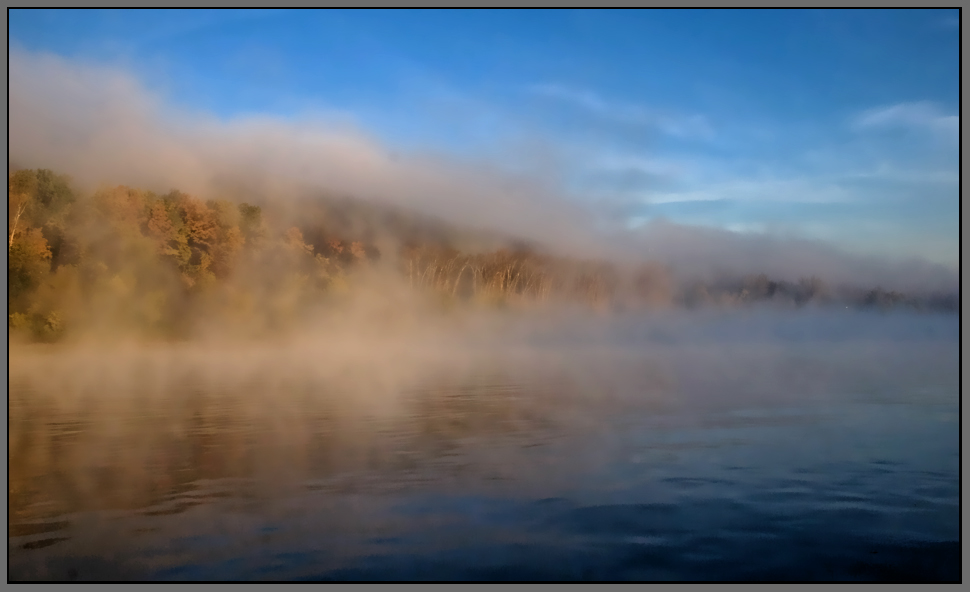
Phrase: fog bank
(102, 126)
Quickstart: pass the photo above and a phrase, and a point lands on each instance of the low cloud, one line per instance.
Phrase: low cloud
(101, 126)
(703, 253)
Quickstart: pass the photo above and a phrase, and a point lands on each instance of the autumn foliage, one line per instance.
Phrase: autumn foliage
(128, 259)
(124, 259)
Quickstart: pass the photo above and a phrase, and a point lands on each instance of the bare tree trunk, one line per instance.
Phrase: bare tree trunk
(16, 221)
(432, 269)
(514, 282)
(457, 279)
(507, 280)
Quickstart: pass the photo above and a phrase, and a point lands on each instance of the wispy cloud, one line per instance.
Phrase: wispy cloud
(886, 172)
(765, 190)
(681, 126)
(950, 22)
(657, 166)
(921, 115)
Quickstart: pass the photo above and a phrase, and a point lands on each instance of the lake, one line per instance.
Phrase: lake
(777, 446)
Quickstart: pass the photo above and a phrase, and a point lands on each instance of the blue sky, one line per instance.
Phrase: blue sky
(836, 125)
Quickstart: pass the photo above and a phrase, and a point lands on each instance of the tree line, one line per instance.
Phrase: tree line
(165, 264)
(125, 258)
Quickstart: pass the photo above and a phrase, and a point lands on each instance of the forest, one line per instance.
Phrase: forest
(123, 260)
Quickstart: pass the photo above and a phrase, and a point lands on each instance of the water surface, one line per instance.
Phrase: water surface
(725, 448)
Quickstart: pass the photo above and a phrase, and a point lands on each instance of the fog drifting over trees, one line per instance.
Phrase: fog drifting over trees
(126, 214)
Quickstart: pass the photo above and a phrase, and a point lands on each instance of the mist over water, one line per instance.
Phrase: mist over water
(809, 445)
(331, 360)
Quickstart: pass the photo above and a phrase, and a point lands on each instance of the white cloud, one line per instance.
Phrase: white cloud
(651, 166)
(586, 99)
(681, 126)
(747, 228)
(893, 173)
(922, 115)
(748, 190)
(950, 22)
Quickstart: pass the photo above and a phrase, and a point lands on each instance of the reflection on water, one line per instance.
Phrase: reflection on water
(835, 461)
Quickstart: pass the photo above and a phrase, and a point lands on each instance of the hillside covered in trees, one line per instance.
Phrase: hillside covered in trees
(128, 260)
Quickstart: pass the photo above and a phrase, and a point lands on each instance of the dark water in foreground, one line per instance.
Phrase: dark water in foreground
(787, 453)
